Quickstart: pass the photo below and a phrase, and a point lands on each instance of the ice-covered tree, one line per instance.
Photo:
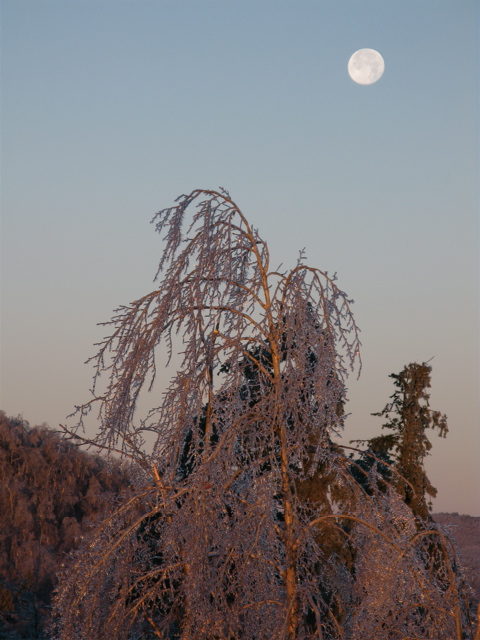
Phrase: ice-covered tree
(247, 521)
(409, 416)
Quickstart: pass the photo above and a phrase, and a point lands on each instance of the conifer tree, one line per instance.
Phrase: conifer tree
(409, 416)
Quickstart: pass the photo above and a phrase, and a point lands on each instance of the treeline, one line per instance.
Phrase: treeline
(51, 494)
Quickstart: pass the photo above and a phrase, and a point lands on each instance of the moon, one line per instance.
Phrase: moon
(366, 66)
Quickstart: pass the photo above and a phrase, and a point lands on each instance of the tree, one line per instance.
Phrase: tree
(247, 521)
(409, 416)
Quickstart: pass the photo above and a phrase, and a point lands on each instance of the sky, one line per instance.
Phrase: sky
(113, 108)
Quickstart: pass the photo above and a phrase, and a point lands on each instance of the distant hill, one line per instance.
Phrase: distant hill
(465, 530)
(51, 493)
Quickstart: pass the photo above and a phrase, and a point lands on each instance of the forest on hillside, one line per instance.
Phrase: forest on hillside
(51, 495)
(230, 510)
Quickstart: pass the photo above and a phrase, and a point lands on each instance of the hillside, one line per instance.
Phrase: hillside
(50, 495)
(465, 530)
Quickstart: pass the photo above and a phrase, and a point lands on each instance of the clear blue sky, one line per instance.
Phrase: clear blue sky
(112, 108)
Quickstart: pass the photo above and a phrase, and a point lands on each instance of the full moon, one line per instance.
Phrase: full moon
(366, 66)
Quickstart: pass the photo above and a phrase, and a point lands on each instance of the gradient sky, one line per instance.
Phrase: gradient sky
(113, 108)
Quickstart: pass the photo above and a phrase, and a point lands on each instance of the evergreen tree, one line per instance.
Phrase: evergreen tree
(409, 416)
